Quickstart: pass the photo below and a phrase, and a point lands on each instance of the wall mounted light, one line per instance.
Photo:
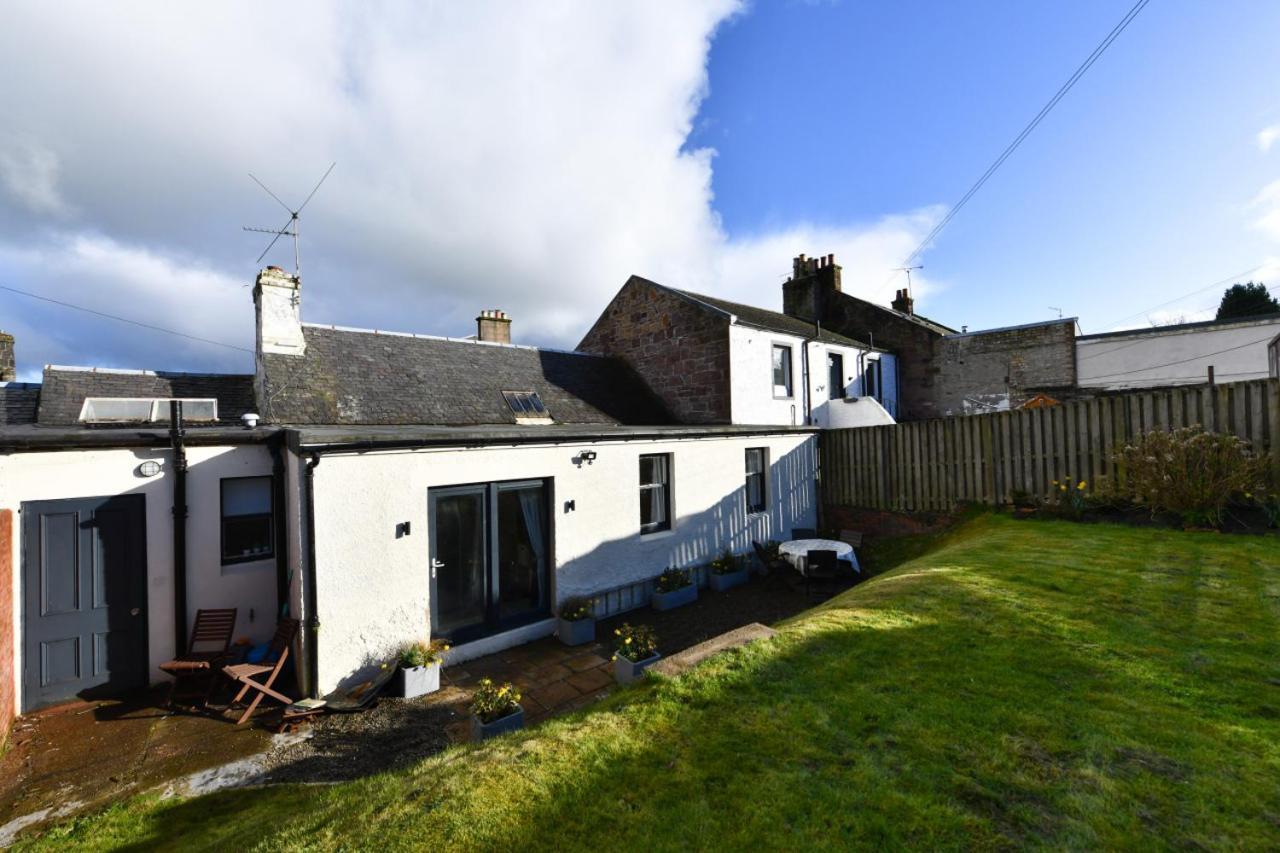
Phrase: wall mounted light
(587, 456)
(403, 529)
(149, 468)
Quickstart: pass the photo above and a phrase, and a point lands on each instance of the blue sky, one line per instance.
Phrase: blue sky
(1136, 188)
(532, 156)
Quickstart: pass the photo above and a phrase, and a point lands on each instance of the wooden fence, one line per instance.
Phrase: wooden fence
(932, 465)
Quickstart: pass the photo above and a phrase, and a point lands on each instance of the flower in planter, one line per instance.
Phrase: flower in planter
(494, 701)
(635, 642)
(673, 579)
(575, 609)
(727, 563)
(422, 653)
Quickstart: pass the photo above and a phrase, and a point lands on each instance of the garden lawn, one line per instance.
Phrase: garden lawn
(1024, 683)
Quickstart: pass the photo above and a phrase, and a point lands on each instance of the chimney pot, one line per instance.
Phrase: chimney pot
(493, 326)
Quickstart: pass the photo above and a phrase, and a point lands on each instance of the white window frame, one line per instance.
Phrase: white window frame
(159, 412)
(668, 492)
(763, 473)
(790, 387)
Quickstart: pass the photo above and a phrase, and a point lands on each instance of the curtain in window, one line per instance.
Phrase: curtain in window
(531, 508)
(658, 495)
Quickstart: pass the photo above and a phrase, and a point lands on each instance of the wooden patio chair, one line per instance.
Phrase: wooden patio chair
(804, 533)
(820, 566)
(259, 677)
(851, 537)
(766, 564)
(208, 647)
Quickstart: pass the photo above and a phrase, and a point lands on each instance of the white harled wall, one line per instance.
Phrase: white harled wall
(56, 475)
(373, 587)
(1237, 352)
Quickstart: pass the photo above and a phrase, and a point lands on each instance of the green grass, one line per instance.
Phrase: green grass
(1023, 684)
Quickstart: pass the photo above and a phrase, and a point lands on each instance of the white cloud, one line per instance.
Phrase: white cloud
(1267, 137)
(522, 156)
(1267, 203)
(29, 174)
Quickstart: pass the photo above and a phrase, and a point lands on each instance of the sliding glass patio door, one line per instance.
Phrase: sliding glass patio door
(490, 558)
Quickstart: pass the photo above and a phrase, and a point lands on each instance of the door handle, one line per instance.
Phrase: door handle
(135, 611)
(435, 564)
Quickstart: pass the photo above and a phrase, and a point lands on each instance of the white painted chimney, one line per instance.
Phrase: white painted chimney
(278, 303)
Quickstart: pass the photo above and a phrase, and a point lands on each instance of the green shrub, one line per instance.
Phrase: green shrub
(575, 609)
(635, 642)
(494, 701)
(727, 563)
(1270, 505)
(673, 579)
(422, 653)
(1189, 472)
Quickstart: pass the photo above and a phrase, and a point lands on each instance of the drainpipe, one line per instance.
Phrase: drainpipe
(176, 434)
(311, 619)
(276, 446)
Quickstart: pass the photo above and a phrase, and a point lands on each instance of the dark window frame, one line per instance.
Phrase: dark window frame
(837, 391)
(269, 516)
(762, 474)
(789, 365)
(667, 488)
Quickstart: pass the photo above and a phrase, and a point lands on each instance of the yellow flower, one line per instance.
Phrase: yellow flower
(1063, 487)
(1055, 482)
(617, 631)
(1082, 485)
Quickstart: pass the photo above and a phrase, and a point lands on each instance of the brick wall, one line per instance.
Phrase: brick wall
(679, 348)
(986, 371)
(8, 367)
(6, 622)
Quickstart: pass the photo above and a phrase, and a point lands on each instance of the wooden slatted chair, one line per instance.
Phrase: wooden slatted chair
(852, 537)
(250, 675)
(804, 533)
(207, 649)
(821, 566)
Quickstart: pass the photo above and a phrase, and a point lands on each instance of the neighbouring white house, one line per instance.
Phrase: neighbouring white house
(380, 487)
(1183, 354)
(715, 361)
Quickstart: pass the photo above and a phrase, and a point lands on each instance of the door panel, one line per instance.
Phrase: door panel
(84, 575)
(459, 603)
(522, 551)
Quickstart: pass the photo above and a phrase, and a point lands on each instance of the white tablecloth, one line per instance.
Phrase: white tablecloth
(794, 551)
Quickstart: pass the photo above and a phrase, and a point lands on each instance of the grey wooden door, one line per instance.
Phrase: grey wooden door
(85, 598)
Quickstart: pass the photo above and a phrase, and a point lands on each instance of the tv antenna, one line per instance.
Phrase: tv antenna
(1059, 310)
(290, 228)
(908, 270)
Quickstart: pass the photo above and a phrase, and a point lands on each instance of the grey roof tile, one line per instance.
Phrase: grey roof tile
(18, 402)
(64, 390)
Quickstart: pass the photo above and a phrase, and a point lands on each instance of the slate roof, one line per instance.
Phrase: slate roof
(774, 321)
(362, 377)
(65, 389)
(18, 401)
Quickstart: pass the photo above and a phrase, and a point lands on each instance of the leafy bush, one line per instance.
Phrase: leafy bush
(494, 701)
(575, 609)
(673, 579)
(1270, 505)
(422, 653)
(1189, 472)
(635, 642)
(727, 563)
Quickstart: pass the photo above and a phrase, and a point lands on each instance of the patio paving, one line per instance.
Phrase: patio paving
(88, 754)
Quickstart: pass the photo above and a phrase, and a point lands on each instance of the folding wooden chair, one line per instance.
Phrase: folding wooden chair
(208, 648)
(245, 674)
(819, 566)
(852, 537)
(804, 533)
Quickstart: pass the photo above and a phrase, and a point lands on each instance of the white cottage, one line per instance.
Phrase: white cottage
(392, 487)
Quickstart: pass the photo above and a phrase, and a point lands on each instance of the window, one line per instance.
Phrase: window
(757, 485)
(655, 492)
(835, 374)
(248, 524)
(100, 410)
(871, 380)
(781, 370)
(527, 407)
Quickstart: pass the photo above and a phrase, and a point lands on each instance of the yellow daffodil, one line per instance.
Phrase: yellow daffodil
(1082, 485)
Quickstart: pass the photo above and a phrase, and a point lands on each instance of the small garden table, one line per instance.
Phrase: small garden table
(795, 551)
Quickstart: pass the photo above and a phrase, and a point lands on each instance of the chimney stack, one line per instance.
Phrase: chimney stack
(278, 303)
(812, 279)
(903, 302)
(8, 367)
(493, 326)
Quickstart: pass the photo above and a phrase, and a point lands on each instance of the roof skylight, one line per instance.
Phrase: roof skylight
(527, 407)
(108, 410)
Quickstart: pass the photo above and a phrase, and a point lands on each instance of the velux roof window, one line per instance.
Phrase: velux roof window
(527, 407)
(132, 410)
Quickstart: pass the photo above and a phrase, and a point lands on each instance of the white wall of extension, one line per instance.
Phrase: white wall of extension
(373, 587)
(40, 476)
(752, 394)
(1237, 352)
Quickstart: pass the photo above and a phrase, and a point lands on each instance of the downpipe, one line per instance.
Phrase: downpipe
(177, 433)
(311, 617)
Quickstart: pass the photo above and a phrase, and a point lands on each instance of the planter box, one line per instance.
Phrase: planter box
(577, 632)
(627, 671)
(510, 723)
(414, 681)
(676, 598)
(729, 580)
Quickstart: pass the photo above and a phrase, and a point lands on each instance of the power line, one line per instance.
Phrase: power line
(1026, 131)
(1218, 283)
(124, 319)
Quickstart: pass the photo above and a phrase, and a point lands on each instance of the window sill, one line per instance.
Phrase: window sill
(248, 564)
(656, 534)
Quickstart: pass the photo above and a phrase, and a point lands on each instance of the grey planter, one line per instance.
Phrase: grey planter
(577, 632)
(627, 671)
(510, 723)
(414, 681)
(676, 598)
(729, 580)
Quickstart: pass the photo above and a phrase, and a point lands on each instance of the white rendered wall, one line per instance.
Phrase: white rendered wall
(751, 380)
(100, 473)
(1237, 353)
(373, 588)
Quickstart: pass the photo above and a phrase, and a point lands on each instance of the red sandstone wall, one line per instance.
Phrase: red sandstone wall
(6, 622)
